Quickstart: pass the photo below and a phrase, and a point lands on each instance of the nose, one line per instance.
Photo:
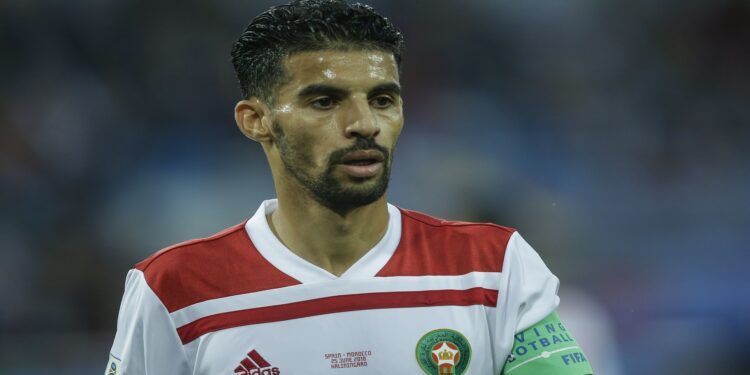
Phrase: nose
(361, 121)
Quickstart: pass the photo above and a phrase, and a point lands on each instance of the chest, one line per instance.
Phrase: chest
(410, 340)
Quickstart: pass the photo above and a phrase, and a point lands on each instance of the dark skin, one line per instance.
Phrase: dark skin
(333, 100)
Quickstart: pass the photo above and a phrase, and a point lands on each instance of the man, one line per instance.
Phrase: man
(329, 277)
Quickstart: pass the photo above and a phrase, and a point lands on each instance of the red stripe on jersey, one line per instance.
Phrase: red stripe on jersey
(431, 246)
(222, 265)
(255, 356)
(336, 304)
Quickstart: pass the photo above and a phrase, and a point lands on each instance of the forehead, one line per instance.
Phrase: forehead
(363, 68)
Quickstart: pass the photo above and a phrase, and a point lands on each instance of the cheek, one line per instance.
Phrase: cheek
(311, 149)
(393, 124)
(325, 137)
(310, 137)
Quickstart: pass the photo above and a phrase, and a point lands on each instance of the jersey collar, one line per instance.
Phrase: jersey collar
(271, 248)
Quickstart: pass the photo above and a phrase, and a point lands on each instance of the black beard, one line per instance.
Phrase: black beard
(325, 188)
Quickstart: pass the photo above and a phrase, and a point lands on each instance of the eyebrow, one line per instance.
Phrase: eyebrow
(385, 88)
(319, 89)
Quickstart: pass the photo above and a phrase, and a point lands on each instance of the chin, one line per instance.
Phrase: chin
(346, 198)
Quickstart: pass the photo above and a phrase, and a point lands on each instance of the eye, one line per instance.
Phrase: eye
(325, 102)
(382, 102)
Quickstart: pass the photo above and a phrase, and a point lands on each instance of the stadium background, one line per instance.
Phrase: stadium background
(613, 134)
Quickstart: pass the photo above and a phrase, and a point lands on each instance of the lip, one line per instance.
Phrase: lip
(362, 155)
(362, 171)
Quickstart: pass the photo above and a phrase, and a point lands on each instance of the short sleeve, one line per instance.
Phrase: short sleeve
(146, 341)
(527, 295)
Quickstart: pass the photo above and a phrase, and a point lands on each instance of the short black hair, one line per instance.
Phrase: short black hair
(306, 25)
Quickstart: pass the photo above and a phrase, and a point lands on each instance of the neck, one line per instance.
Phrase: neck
(330, 240)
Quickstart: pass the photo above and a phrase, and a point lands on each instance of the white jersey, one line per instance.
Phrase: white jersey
(431, 296)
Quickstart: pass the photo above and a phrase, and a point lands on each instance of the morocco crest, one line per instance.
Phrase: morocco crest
(443, 352)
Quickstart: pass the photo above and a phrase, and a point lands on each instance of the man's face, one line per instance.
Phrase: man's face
(336, 122)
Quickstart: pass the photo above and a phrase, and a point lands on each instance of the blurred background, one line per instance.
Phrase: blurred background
(613, 134)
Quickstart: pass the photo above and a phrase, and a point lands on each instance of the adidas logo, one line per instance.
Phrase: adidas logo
(254, 364)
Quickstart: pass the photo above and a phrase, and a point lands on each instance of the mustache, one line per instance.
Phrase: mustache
(359, 144)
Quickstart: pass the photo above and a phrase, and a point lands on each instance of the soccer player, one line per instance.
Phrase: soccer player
(328, 278)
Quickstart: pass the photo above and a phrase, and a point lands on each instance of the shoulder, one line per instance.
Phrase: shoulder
(193, 251)
(451, 228)
(224, 264)
(434, 246)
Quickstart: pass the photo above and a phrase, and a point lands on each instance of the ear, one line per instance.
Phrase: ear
(253, 118)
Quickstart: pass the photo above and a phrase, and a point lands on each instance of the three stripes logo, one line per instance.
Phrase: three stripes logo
(254, 364)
